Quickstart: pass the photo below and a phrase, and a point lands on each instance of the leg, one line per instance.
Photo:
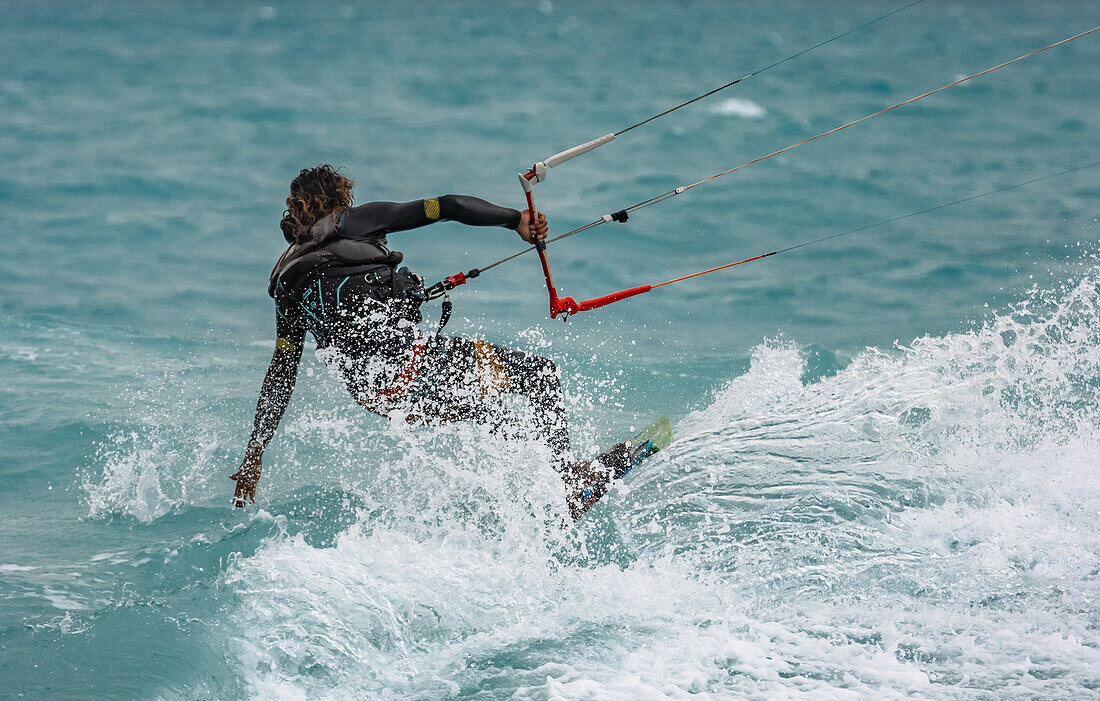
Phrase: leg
(462, 379)
(537, 379)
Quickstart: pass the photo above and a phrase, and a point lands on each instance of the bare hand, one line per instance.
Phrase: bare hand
(532, 232)
(247, 476)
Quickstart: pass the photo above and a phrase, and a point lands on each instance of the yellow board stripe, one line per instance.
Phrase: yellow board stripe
(285, 344)
(431, 209)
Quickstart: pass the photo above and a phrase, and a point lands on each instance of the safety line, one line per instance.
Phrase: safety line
(849, 231)
(883, 222)
(766, 68)
(720, 267)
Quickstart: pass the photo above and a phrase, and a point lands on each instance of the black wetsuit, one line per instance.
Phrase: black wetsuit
(344, 287)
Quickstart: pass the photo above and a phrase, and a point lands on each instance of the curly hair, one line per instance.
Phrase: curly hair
(315, 193)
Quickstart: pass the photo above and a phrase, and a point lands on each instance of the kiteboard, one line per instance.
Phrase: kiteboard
(588, 481)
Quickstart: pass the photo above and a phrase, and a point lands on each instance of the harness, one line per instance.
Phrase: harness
(328, 254)
(330, 250)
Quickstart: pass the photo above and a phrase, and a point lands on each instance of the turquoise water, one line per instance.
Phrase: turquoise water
(885, 482)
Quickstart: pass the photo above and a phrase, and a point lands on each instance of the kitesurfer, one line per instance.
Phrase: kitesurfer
(339, 281)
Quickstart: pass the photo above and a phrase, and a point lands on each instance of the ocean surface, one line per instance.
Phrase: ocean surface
(886, 478)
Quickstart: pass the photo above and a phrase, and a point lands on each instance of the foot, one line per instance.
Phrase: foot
(587, 481)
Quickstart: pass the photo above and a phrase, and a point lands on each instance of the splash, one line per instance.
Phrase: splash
(920, 523)
(149, 473)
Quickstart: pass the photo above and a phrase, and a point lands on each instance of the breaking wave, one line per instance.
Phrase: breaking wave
(922, 522)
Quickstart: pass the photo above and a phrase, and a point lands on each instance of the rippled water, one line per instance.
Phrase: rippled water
(884, 482)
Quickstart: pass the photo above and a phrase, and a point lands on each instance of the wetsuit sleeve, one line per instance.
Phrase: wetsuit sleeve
(473, 211)
(380, 218)
(279, 382)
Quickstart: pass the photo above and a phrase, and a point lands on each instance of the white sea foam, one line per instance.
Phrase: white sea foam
(383, 613)
(920, 524)
(739, 107)
(17, 568)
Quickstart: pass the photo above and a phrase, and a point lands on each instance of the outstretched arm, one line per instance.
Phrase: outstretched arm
(274, 396)
(476, 212)
(381, 218)
(471, 210)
